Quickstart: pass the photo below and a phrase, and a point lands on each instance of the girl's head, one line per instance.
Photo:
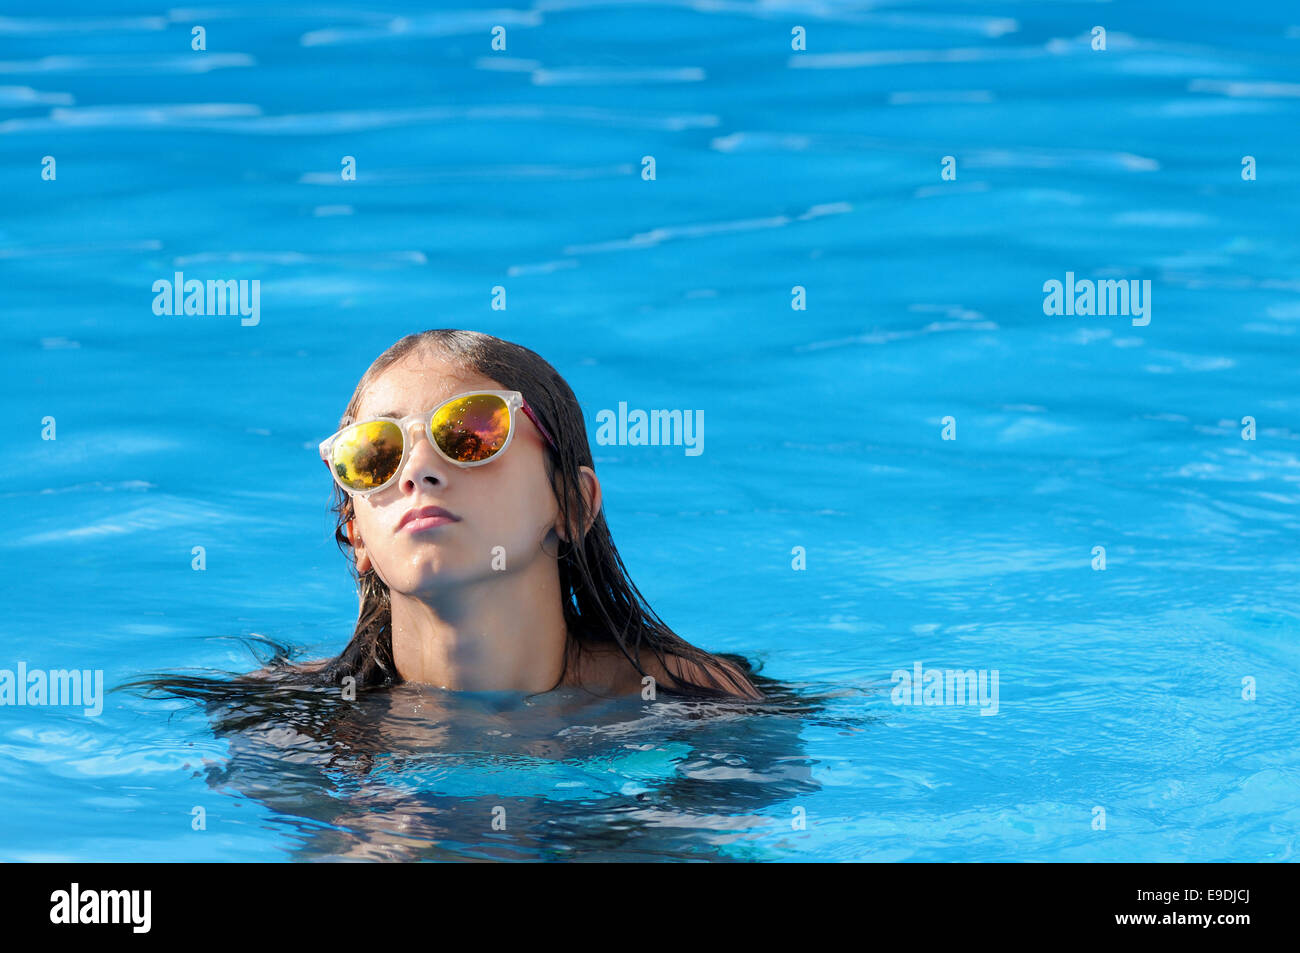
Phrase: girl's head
(502, 513)
(536, 501)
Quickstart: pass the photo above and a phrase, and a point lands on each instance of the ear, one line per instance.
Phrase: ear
(358, 547)
(591, 494)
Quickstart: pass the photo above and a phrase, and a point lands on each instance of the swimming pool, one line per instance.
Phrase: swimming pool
(1144, 710)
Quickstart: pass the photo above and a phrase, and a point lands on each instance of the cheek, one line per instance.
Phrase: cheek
(365, 524)
(366, 529)
(516, 506)
(374, 524)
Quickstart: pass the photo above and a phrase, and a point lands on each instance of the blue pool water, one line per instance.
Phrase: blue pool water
(1120, 691)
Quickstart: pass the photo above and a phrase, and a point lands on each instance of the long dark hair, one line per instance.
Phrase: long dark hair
(602, 607)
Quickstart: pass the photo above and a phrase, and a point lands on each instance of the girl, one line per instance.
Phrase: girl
(466, 494)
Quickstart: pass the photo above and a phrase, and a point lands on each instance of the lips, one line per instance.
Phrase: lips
(425, 517)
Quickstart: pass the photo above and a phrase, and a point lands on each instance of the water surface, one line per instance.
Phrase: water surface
(1119, 689)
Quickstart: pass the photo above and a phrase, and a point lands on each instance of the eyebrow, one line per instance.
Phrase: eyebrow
(396, 415)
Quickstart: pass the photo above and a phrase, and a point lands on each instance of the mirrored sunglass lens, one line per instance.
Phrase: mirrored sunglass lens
(367, 455)
(473, 428)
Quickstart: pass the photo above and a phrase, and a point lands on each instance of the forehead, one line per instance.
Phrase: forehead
(418, 382)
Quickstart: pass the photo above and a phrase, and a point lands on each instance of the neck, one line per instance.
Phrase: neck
(501, 633)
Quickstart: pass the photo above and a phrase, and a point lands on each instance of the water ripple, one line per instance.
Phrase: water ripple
(443, 23)
(129, 63)
(309, 124)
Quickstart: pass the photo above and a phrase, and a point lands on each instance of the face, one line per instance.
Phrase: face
(506, 503)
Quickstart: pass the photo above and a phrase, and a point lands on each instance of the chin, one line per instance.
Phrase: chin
(434, 573)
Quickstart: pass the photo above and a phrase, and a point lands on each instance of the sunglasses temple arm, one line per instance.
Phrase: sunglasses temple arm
(538, 424)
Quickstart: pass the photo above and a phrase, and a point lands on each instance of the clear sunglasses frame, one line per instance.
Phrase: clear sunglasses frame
(514, 402)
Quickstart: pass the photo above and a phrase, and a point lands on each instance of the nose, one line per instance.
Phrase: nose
(423, 463)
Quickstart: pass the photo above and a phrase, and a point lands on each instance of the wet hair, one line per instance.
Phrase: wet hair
(602, 607)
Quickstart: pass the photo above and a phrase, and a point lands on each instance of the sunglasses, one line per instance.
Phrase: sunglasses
(467, 430)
